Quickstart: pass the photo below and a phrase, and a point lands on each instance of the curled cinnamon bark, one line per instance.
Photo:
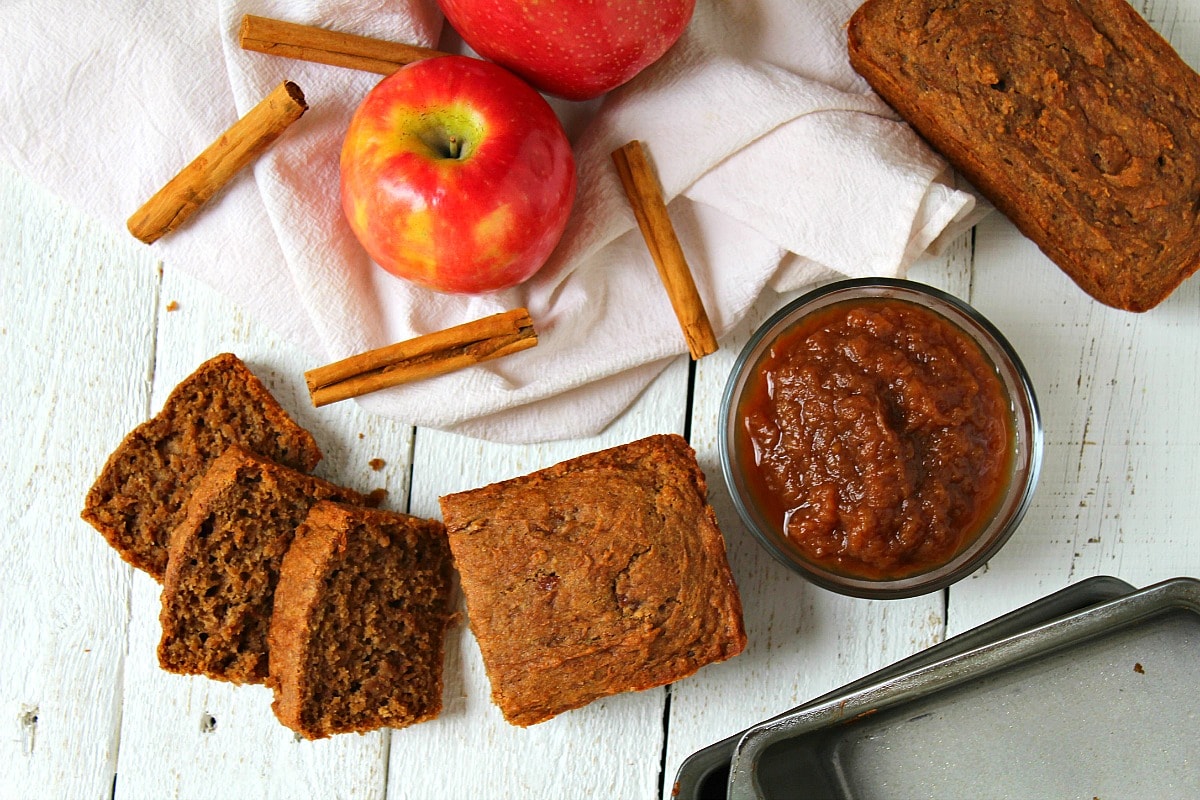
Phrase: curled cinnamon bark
(423, 357)
(195, 184)
(308, 43)
(644, 195)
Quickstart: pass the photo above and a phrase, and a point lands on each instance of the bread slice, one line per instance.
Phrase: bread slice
(141, 493)
(358, 631)
(1074, 117)
(603, 574)
(224, 563)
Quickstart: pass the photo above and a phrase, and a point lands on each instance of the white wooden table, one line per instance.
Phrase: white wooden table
(91, 341)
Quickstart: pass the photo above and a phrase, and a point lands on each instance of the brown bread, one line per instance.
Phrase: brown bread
(141, 493)
(1074, 117)
(358, 631)
(603, 574)
(224, 562)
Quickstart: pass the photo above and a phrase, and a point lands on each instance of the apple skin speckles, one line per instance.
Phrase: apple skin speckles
(570, 49)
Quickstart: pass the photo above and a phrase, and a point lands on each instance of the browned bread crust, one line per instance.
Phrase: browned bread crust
(141, 493)
(1074, 117)
(358, 630)
(224, 563)
(603, 574)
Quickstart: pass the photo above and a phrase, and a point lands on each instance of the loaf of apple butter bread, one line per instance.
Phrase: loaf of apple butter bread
(224, 562)
(606, 573)
(1074, 117)
(359, 625)
(142, 490)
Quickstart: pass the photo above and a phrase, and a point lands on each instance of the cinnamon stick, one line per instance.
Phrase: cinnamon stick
(196, 183)
(423, 357)
(641, 187)
(307, 43)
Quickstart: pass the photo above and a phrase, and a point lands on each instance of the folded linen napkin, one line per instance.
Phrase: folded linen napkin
(780, 167)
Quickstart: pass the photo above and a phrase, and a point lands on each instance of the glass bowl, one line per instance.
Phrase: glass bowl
(741, 458)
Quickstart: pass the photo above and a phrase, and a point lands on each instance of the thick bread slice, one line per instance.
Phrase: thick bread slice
(224, 563)
(141, 493)
(358, 631)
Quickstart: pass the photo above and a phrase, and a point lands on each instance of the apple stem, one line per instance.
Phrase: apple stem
(455, 147)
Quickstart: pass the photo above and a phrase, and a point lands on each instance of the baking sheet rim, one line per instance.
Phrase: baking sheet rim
(954, 670)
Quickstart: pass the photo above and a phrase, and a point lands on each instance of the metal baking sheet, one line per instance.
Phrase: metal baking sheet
(704, 775)
(1103, 703)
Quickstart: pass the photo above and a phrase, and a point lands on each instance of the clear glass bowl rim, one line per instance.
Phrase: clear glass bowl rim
(1027, 419)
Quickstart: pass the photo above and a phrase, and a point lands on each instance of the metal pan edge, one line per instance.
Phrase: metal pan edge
(1038, 641)
(704, 774)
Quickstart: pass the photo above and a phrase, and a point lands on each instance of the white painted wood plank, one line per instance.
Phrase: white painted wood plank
(76, 308)
(194, 737)
(611, 748)
(803, 640)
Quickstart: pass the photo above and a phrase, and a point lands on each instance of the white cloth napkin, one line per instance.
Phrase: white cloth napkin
(781, 168)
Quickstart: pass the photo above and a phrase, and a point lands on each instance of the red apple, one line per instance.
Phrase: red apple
(456, 175)
(575, 49)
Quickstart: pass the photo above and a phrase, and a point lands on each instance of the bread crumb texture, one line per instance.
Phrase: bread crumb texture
(141, 493)
(358, 632)
(224, 563)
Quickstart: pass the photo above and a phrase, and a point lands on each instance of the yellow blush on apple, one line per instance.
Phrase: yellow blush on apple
(457, 175)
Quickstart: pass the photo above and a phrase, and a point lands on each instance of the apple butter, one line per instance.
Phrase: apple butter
(879, 437)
